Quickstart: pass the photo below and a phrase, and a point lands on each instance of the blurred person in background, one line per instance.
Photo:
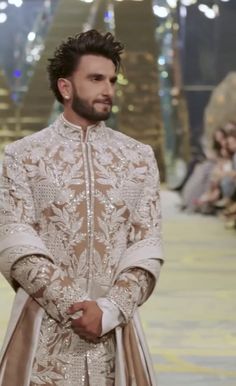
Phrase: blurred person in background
(200, 179)
(222, 165)
(228, 184)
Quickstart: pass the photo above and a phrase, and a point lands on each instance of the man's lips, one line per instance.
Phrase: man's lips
(105, 102)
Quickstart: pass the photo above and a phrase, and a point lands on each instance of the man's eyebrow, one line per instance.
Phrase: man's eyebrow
(95, 74)
(101, 76)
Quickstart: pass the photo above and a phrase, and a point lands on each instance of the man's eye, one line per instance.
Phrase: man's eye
(96, 78)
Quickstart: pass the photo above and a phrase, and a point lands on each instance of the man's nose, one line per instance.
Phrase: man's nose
(108, 89)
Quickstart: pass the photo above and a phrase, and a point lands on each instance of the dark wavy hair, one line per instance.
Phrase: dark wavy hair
(67, 55)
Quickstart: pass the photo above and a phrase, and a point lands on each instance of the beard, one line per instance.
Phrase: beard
(82, 108)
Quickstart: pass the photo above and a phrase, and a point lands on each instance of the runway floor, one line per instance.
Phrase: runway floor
(190, 321)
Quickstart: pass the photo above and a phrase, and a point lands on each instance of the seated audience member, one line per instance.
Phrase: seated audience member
(200, 180)
(222, 166)
(228, 183)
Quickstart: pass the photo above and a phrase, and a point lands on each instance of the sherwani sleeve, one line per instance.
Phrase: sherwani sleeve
(24, 258)
(140, 266)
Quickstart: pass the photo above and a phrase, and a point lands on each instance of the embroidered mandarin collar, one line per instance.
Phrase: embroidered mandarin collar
(74, 132)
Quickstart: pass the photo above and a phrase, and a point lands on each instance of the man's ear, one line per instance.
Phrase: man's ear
(64, 86)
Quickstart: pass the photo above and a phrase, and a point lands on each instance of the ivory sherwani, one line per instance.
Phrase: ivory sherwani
(80, 219)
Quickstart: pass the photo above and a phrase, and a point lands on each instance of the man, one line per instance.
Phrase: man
(80, 234)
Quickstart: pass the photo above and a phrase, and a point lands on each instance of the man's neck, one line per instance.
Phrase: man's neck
(75, 119)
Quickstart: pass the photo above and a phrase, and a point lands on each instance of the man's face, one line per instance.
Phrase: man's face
(93, 86)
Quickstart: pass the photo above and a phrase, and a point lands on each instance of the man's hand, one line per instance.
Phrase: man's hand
(89, 325)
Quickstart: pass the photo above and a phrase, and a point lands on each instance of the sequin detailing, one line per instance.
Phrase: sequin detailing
(49, 285)
(84, 205)
(130, 291)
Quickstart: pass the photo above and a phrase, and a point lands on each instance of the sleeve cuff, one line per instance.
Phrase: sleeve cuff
(17, 241)
(111, 317)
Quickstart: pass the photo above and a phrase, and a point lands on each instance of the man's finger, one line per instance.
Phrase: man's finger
(79, 322)
(76, 307)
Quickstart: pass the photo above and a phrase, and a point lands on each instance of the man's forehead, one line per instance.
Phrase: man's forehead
(96, 64)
